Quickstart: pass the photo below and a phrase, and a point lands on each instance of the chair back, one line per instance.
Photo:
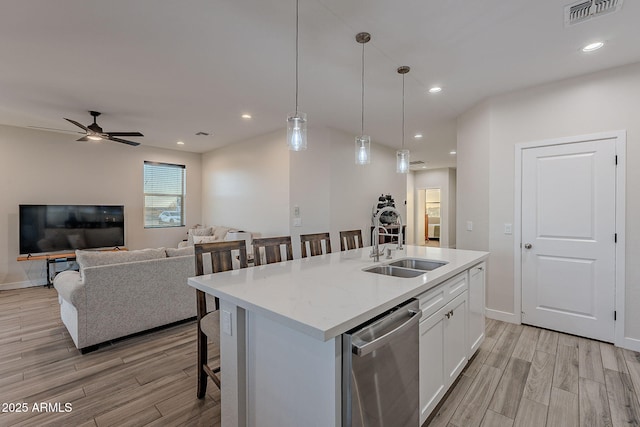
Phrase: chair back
(272, 249)
(348, 239)
(220, 256)
(315, 244)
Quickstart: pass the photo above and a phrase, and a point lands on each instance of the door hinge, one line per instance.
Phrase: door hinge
(616, 160)
(615, 315)
(615, 238)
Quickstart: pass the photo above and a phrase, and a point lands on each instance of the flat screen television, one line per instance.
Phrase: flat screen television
(55, 228)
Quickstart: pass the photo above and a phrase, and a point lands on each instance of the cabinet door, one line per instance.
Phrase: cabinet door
(476, 307)
(432, 372)
(455, 337)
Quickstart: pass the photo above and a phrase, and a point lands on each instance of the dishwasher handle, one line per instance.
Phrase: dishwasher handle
(368, 347)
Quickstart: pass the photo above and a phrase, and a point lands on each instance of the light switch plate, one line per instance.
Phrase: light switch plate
(508, 229)
(226, 322)
(469, 225)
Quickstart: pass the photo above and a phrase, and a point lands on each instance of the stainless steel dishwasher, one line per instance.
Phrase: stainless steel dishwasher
(380, 370)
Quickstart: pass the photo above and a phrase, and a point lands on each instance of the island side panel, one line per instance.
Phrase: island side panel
(292, 378)
(233, 374)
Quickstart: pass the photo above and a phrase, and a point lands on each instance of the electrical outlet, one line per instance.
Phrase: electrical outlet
(226, 322)
(297, 222)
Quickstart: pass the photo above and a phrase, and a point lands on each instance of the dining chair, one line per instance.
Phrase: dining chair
(350, 239)
(272, 249)
(221, 255)
(315, 244)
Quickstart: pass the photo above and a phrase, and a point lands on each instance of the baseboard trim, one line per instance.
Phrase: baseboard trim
(22, 285)
(503, 316)
(630, 344)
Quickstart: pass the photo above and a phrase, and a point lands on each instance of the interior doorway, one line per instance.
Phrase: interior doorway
(429, 219)
(432, 217)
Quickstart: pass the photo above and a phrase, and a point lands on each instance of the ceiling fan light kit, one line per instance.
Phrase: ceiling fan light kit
(95, 133)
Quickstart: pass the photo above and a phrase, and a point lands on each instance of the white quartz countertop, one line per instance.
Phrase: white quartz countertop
(325, 296)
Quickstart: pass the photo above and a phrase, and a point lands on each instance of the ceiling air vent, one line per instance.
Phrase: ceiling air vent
(416, 163)
(584, 10)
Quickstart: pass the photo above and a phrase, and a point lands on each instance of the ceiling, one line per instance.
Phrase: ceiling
(171, 69)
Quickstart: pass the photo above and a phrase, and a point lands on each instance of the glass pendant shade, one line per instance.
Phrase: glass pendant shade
(363, 150)
(297, 131)
(402, 161)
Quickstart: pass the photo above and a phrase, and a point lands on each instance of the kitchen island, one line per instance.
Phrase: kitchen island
(281, 328)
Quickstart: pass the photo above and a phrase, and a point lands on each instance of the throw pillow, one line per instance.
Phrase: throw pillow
(207, 231)
(204, 239)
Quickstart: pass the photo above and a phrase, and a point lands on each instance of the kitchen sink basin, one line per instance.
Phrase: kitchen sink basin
(418, 264)
(390, 270)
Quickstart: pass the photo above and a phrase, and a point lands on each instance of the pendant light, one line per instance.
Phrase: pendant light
(363, 142)
(297, 122)
(403, 156)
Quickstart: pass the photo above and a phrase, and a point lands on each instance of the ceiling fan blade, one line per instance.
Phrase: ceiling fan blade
(77, 124)
(124, 141)
(84, 138)
(124, 134)
(54, 129)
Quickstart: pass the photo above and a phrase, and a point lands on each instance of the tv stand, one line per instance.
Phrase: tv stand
(59, 257)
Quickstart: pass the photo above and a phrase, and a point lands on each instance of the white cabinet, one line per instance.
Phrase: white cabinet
(443, 340)
(476, 307)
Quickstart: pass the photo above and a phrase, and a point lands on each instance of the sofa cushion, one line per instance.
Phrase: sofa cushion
(94, 258)
(187, 250)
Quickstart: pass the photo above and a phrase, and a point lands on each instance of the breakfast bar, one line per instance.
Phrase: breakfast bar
(281, 325)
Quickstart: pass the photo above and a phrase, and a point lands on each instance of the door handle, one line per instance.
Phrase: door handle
(528, 245)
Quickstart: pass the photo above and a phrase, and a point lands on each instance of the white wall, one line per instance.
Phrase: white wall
(444, 179)
(246, 185)
(334, 193)
(255, 185)
(41, 167)
(599, 102)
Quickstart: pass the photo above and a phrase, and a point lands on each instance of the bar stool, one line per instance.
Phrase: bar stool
(220, 259)
(349, 237)
(315, 244)
(272, 249)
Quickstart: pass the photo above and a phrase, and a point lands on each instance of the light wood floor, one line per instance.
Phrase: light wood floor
(145, 380)
(525, 376)
(521, 376)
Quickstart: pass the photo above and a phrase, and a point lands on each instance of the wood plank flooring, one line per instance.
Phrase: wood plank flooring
(144, 380)
(521, 376)
(528, 377)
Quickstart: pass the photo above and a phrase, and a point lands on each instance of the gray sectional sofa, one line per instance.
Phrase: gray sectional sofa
(116, 294)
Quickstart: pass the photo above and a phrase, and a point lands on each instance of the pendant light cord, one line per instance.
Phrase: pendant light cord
(297, 19)
(362, 133)
(403, 111)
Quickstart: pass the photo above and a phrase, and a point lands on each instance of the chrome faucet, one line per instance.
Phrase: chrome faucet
(375, 252)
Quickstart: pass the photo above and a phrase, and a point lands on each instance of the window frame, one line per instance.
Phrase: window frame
(180, 206)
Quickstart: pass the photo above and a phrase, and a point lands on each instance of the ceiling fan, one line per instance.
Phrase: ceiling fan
(95, 132)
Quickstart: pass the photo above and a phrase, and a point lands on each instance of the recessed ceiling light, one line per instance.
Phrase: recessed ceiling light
(435, 89)
(180, 143)
(246, 116)
(592, 46)
(452, 152)
(424, 167)
(417, 136)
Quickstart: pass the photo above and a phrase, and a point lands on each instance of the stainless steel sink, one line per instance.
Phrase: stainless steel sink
(390, 270)
(418, 264)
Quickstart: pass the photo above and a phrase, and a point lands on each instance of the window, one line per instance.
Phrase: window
(164, 190)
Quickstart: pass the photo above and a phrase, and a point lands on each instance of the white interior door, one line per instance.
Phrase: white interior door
(568, 230)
